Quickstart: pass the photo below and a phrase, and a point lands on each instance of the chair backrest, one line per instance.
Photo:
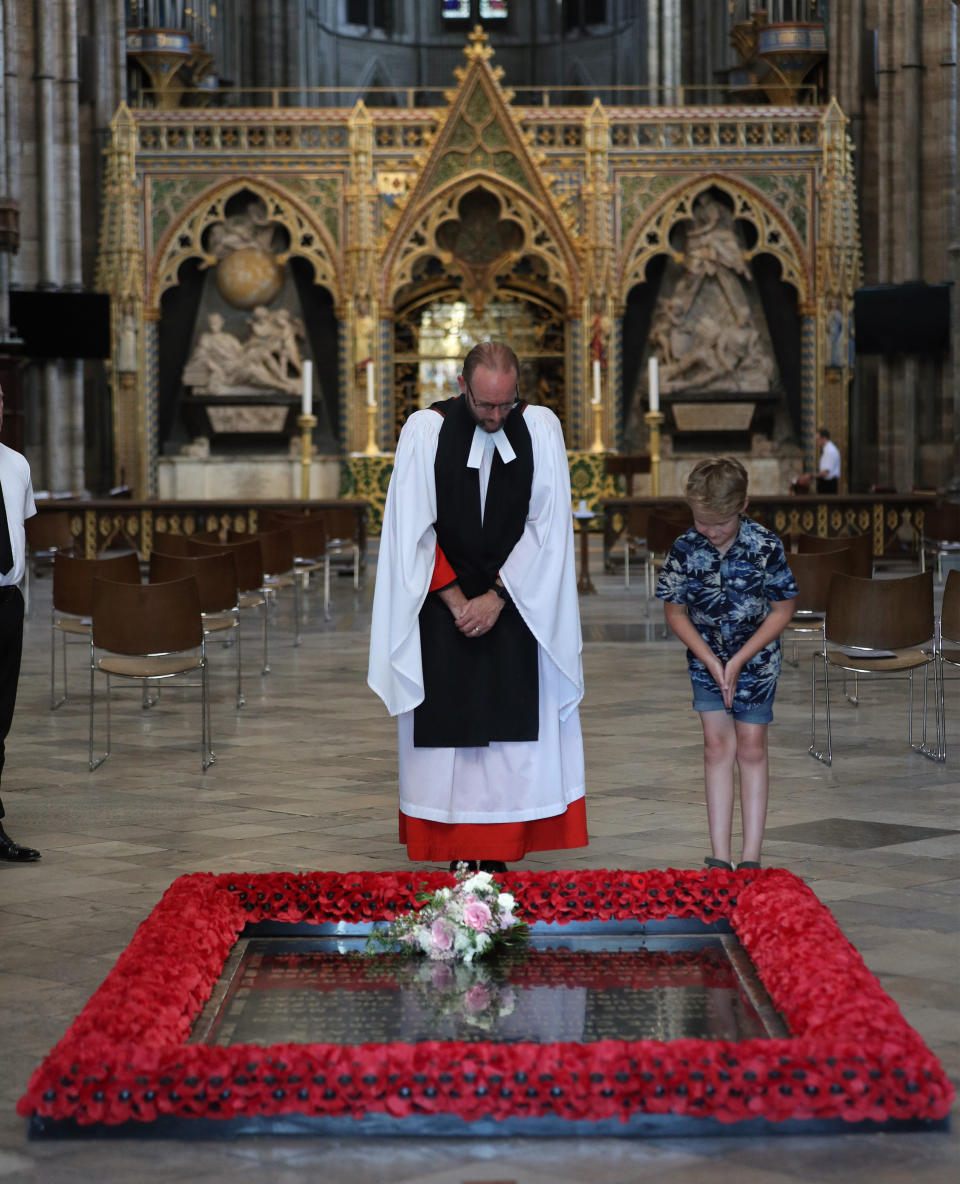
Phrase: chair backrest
(941, 523)
(50, 532)
(663, 530)
(950, 608)
(146, 618)
(635, 519)
(813, 574)
(309, 532)
(216, 576)
(859, 545)
(246, 555)
(73, 579)
(276, 549)
(340, 522)
(879, 614)
(170, 544)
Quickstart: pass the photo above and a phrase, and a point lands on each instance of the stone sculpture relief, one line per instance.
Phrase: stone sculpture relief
(707, 333)
(269, 359)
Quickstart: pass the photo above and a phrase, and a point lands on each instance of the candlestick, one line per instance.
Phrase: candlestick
(306, 398)
(372, 448)
(306, 423)
(654, 419)
(371, 389)
(596, 380)
(597, 409)
(653, 384)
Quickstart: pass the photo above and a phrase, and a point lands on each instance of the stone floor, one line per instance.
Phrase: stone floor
(306, 779)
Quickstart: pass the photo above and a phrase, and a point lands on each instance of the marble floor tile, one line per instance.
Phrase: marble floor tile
(306, 779)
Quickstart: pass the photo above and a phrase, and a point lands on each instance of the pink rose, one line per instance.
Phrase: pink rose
(441, 976)
(441, 936)
(476, 915)
(477, 998)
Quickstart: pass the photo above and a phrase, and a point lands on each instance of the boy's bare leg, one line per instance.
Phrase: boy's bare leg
(719, 756)
(754, 785)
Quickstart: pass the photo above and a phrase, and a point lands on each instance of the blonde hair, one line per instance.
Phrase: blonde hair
(718, 485)
(491, 355)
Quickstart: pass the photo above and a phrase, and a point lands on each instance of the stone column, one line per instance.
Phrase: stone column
(4, 186)
(654, 75)
(70, 235)
(810, 410)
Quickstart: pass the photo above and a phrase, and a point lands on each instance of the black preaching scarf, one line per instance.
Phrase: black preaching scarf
(483, 689)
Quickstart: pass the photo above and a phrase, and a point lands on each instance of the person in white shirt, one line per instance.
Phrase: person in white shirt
(16, 504)
(828, 467)
(475, 638)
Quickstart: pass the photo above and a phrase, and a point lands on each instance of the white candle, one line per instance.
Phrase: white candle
(306, 398)
(653, 384)
(596, 380)
(371, 391)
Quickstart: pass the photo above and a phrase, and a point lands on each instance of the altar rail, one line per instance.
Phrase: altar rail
(99, 525)
(894, 520)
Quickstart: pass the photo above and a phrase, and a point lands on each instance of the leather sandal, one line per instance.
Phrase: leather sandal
(748, 865)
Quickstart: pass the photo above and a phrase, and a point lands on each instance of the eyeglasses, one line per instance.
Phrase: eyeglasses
(493, 408)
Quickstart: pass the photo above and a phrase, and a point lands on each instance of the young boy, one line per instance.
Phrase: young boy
(727, 593)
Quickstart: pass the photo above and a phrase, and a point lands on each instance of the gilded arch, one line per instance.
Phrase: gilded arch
(776, 235)
(539, 238)
(183, 239)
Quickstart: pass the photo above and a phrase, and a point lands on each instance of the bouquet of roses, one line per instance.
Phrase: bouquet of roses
(464, 922)
(470, 995)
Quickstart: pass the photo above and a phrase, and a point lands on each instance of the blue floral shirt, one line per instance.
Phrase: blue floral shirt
(727, 598)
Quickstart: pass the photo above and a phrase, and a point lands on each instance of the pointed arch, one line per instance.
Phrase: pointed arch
(183, 238)
(480, 143)
(776, 235)
(516, 206)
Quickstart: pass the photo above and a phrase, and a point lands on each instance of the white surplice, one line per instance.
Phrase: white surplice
(501, 782)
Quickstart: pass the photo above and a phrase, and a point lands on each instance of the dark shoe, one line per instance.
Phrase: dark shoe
(717, 864)
(748, 865)
(494, 866)
(11, 852)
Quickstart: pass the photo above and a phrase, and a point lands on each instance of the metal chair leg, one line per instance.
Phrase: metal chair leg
(241, 698)
(54, 701)
(95, 763)
(817, 754)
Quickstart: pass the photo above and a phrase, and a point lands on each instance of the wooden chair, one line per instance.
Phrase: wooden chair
(216, 577)
(310, 552)
(663, 530)
(276, 554)
(342, 536)
(72, 602)
(47, 535)
(860, 547)
(877, 627)
(634, 538)
(813, 573)
(940, 535)
(249, 565)
(148, 632)
(170, 544)
(948, 644)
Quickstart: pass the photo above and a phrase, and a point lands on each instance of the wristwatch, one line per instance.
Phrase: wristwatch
(502, 593)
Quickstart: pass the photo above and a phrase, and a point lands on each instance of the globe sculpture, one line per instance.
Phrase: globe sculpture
(248, 277)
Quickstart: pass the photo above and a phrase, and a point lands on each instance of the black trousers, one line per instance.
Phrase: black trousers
(827, 484)
(11, 645)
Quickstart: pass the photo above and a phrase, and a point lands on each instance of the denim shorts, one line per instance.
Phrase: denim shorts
(705, 699)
